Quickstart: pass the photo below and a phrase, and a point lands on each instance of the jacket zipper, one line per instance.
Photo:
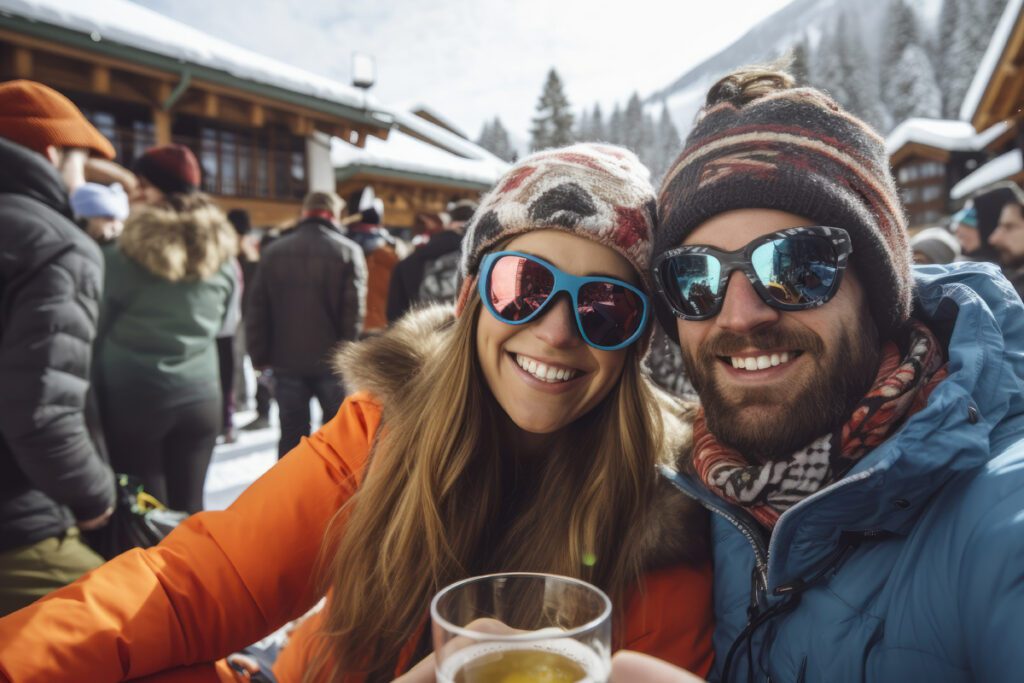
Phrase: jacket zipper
(761, 554)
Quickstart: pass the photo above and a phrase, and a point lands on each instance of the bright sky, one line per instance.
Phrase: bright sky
(474, 59)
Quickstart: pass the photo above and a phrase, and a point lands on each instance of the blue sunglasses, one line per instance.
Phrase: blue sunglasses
(516, 288)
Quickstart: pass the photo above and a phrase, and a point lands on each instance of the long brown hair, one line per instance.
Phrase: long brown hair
(445, 498)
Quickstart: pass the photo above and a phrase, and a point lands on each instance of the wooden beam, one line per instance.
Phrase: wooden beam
(257, 115)
(360, 138)
(101, 79)
(162, 126)
(163, 91)
(301, 125)
(211, 105)
(22, 62)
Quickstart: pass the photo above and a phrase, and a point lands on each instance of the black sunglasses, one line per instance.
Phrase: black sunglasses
(791, 270)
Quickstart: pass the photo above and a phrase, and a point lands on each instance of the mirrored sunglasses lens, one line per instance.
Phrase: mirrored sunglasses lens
(796, 270)
(518, 287)
(609, 313)
(691, 283)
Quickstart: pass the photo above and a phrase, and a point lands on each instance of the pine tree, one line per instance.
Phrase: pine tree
(965, 46)
(666, 146)
(494, 138)
(633, 133)
(901, 30)
(912, 89)
(615, 126)
(552, 126)
(582, 129)
(833, 69)
(798, 62)
(909, 85)
(597, 127)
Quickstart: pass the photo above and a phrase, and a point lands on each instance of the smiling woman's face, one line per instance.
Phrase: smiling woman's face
(542, 373)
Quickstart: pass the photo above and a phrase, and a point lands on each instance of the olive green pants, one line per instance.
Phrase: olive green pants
(30, 572)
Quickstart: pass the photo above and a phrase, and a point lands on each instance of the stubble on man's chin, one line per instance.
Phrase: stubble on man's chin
(770, 424)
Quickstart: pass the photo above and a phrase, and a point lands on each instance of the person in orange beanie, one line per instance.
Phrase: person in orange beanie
(53, 481)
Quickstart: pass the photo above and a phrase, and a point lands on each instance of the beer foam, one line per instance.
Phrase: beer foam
(595, 664)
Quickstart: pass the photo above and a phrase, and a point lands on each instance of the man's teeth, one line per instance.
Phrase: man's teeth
(761, 362)
(545, 373)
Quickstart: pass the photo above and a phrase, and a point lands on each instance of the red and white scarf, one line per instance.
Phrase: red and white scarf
(901, 388)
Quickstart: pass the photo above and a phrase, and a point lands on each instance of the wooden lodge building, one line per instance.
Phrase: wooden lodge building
(262, 130)
(995, 102)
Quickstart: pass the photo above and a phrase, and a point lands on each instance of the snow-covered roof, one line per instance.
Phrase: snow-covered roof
(405, 153)
(1000, 168)
(989, 62)
(421, 109)
(418, 127)
(952, 136)
(126, 23)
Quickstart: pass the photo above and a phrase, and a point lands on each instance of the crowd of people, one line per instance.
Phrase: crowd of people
(844, 501)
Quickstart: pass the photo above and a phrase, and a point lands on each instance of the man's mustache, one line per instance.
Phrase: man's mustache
(727, 343)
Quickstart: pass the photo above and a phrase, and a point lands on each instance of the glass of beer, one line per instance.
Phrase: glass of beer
(521, 628)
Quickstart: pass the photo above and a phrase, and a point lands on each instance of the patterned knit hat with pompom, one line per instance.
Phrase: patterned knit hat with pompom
(597, 191)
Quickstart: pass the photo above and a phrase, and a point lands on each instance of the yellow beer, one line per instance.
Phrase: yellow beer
(555, 662)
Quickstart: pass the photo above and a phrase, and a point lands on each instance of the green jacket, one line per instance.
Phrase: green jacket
(169, 280)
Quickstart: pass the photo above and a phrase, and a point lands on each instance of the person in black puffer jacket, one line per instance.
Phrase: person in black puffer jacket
(52, 479)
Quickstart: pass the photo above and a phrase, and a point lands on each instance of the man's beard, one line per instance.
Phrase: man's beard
(841, 377)
(1009, 260)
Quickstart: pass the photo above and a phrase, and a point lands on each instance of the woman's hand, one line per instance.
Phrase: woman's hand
(628, 667)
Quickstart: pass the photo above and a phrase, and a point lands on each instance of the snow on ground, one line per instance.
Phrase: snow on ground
(235, 466)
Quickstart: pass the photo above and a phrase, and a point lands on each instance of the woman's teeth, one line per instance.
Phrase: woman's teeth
(545, 373)
(761, 362)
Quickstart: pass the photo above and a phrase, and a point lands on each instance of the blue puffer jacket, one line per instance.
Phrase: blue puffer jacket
(911, 568)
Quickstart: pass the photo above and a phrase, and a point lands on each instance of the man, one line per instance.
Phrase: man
(309, 293)
(988, 206)
(1008, 240)
(860, 436)
(52, 480)
(430, 273)
(964, 224)
(365, 227)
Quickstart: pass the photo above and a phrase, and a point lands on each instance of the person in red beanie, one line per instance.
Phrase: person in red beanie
(53, 481)
(166, 170)
(172, 287)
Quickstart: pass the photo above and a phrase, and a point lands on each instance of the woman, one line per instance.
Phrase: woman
(520, 435)
(169, 280)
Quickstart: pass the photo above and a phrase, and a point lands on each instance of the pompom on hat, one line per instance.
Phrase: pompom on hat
(760, 143)
(596, 191)
(36, 116)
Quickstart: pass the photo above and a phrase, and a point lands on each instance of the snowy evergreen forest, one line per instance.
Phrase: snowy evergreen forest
(887, 68)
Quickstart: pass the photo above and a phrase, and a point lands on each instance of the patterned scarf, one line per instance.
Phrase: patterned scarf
(901, 388)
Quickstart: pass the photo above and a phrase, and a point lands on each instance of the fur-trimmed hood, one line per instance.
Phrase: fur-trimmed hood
(187, 239)
(384, 365)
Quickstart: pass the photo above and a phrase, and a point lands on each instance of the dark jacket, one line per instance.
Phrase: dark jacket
(169, 281)
(309, 293)
(51, 275)
(407, 280)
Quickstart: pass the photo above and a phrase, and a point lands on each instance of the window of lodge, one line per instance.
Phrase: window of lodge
(267, 162)
(128, 127)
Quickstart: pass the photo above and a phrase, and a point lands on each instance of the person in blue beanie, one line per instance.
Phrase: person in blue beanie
(104, 209)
